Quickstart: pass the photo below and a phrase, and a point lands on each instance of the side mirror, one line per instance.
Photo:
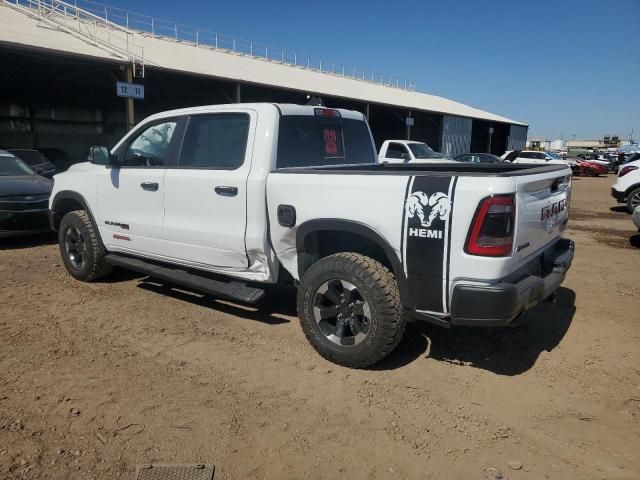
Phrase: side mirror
(100, 156)
(406, 156)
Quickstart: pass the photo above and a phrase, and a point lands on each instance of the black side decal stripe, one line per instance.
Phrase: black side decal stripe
(453, 206)
(404, 219)
(427, 210)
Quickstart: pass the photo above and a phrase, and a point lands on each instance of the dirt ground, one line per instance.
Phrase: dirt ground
(97, 378)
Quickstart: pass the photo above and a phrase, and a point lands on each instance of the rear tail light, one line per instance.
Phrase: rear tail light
(491, 233)
(627, 169)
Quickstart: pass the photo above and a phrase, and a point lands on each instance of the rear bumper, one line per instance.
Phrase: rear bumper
(619, 196)
(497, 305)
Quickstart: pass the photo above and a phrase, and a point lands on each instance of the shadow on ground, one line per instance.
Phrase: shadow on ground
(510, 350)
(278, 301)
(506, 350)
(620, 209)
(634, 241)
(28, 241)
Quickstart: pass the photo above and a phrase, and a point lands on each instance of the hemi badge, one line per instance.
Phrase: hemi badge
(121, 237)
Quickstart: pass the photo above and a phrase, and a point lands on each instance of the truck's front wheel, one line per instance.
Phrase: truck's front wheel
(350, 309)
(80, 248)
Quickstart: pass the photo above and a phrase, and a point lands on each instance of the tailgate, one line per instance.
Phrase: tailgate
(542, 210)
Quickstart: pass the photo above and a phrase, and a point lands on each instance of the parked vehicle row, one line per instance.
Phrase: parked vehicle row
(392, 152)
(407, 152)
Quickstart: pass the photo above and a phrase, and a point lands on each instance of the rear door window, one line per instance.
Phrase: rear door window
(313, 141)
(216, 141)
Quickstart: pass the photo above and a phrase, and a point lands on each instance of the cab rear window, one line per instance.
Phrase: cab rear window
(314, 141)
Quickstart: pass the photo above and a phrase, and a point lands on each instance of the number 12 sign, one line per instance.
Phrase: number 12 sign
(130, 90)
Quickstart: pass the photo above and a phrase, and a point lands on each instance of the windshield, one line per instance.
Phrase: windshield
(422, 150)
(12, 166)
(30, 157)
(315, 141)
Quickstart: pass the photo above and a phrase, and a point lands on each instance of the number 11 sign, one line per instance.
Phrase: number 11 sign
(130, 90)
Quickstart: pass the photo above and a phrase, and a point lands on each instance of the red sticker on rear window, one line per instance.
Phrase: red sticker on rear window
(330, 141)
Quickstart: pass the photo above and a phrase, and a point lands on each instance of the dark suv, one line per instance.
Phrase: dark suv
(24, 198)
(36, 160)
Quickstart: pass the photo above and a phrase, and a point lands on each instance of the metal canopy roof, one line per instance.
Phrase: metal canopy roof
(22, 30)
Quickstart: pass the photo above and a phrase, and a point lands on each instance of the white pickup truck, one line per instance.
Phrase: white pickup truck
(409, 151)
(225, 199)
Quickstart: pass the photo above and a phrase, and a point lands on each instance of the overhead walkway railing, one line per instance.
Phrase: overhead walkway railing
(166, 29)
(95, 29)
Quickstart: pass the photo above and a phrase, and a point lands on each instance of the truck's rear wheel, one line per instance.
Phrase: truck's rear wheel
(350, 310)
(80, 248)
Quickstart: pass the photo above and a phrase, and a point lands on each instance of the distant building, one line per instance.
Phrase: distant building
(585, 144)
(538, 144)
(547, 145)
(557, 145)
(611, 141)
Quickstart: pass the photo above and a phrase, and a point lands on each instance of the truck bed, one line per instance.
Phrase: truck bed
(463, 169)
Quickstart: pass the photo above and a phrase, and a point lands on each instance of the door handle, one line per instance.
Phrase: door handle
(149, 186)
(227, 191)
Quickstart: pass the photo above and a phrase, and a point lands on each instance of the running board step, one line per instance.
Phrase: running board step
(231, 290)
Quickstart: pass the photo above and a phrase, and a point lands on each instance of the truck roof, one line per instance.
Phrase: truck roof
(284, 108)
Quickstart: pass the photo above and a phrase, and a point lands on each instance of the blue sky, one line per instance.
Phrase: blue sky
(566, 67)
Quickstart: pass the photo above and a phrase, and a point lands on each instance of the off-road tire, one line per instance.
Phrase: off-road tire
(633, 193)
(95, 265)
(379, 288)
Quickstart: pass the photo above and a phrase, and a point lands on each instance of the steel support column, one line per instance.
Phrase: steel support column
(130, 114)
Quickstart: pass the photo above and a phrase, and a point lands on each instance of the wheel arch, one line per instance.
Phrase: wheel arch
(66, 201)
(631, 189)
(319, 238)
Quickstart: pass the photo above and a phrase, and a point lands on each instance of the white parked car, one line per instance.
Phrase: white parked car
(407, 151)
(225, 199)
(533, 156)
(627, 186)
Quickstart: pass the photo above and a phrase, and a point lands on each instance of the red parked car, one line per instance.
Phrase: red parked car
(589, 169)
